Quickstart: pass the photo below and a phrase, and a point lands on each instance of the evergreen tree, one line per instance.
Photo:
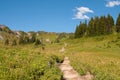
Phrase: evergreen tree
(21, 40)
(91, 27)
(109, 24)
(6, 42)
(118, 24)
(26, 39)
(57, 40)
(97, 26)
(32, 38)
(102, 27)
(77, 32)
(81, 30)
(37, 42)
(14, 43)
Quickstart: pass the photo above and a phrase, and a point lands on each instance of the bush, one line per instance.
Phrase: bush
(14, 43)
(6, 42)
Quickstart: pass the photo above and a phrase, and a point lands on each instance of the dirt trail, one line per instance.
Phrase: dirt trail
(70, 74)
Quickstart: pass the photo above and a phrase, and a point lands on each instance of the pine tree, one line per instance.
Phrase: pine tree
(77, 32)
(118, 24)
(97, 26)
(91, 27)
(37, 42)
(21, 40)
(26, 39)
(102, 27)
(6, 42)
(81, 30)
(32, 38)
(109, 24)
(14, 43)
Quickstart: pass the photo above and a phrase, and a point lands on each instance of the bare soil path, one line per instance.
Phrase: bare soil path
(70, 74)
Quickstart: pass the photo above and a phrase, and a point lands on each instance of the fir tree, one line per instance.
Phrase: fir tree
(6, 42)
(14, 43)
(109, 24)
(118, 24)
(81, 30)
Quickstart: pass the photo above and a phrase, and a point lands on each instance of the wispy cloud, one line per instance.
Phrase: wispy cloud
(81, 13)
(113, 3)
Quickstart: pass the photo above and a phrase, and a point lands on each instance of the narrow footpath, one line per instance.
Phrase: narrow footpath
(70, 74)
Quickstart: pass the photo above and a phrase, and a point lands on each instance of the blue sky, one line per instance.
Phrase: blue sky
(53, 15)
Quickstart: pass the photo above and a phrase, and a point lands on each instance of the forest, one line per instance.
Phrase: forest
(98, 26)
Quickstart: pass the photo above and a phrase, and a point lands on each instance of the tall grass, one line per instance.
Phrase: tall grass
(27, 63)
(99, 55)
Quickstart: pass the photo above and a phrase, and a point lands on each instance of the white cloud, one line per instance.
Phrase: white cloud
(113, 3)
(81, 13)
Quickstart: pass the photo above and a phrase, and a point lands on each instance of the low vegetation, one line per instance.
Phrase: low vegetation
(28, 63)
(94, 48)
(98, 55)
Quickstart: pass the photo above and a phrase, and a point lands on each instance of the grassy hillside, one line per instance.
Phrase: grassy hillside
(28, 63)
(100, 55)
(46, 35)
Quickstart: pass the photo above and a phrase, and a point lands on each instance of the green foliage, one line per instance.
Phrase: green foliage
(62, 35)
(6, 42)
(57, 41)
(25, 39)
(98, 55)
(14, 43)
(118, 24)
(57, 59)
(38, 42)
(20, 40)
(96, 26)
(32, 38)
(5, 29)
(71, 35)
(100, 26)
(22, 63)
(22, 33)
(81, 30)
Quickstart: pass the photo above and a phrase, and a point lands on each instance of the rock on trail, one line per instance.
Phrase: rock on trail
(70, 74)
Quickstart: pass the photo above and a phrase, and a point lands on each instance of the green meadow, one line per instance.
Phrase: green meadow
(27, 62)
(99, 55)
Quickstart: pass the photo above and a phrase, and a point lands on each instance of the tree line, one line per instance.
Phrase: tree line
(98, 26)
(32, 37)
(24, 39)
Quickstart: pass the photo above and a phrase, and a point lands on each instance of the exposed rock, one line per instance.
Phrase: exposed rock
(48, 41)
(1, 38)
(17, 33)
(5, 29)
(28, 34)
